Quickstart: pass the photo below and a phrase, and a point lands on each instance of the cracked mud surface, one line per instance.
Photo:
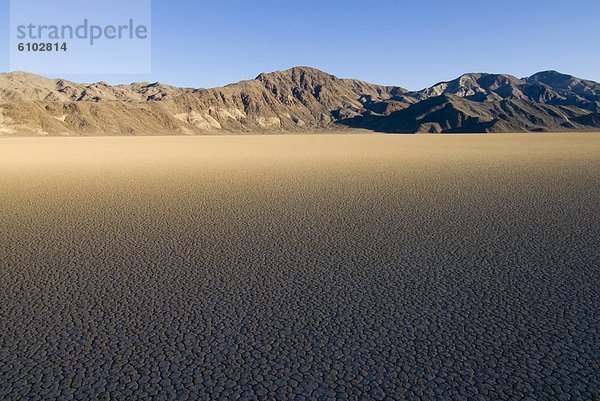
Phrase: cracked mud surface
(307, 268)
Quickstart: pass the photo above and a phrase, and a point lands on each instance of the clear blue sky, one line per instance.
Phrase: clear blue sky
(411, 43)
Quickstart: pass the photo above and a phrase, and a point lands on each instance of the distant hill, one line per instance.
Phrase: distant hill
(297, 100)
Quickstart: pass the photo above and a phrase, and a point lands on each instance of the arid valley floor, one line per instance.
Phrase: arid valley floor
(309, 267)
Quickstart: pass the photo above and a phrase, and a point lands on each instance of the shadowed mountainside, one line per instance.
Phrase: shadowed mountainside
(297, 100)
(546, 101)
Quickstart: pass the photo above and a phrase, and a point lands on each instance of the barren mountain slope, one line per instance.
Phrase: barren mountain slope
(297, 100)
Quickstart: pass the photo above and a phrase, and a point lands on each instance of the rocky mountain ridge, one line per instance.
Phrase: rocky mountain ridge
(298, 100)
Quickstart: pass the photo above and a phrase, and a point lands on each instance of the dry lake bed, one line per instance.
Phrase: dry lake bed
(317, 267)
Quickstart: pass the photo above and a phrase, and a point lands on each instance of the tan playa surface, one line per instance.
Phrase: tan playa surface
(300, 267)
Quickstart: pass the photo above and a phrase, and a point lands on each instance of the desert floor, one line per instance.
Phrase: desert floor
(300, 267)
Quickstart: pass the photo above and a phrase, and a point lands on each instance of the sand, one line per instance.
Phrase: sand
(300, 267)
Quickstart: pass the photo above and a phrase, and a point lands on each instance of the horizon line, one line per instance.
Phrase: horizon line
(276, 71)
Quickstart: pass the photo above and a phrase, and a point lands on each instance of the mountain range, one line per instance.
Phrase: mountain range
(298, 100)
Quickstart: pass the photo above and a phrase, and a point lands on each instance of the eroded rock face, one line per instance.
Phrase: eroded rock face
(295, 100)
(4, 123)
(301, 99)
